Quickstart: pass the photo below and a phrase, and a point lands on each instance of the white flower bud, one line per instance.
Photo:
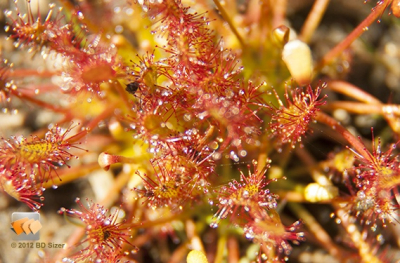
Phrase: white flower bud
(315, 192)
(297, 57)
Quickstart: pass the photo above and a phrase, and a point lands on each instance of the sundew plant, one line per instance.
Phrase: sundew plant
(202, 131)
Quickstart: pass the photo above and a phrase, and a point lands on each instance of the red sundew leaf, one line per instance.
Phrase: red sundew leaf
(32, 32)
(376, 180)
(105, 236)
(21, 186)
(7, 85)
(39, 158)
(249, 196)
(272, 235)
(290, 122)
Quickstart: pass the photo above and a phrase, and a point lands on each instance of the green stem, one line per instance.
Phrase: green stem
(229, 21)
(220, 248)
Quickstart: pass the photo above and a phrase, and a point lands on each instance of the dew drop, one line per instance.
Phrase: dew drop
(249, 235)
(129, 11)
(119, 29)
(361, 194)
(135, 250)
(66, 88)
(214, 225)
(80, 16)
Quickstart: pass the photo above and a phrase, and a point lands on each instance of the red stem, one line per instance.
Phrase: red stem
(313, 19)
(40, 103)
(280, 7)
(376, 12)
(123, 94)
(92, 124)
(352, 91)
(354, 142)
(73, 239)
(355, 107)
(31, 72)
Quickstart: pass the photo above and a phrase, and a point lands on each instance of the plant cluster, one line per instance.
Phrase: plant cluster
(196, 124)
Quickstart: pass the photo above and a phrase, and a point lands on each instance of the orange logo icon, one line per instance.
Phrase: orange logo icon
(26, 225)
